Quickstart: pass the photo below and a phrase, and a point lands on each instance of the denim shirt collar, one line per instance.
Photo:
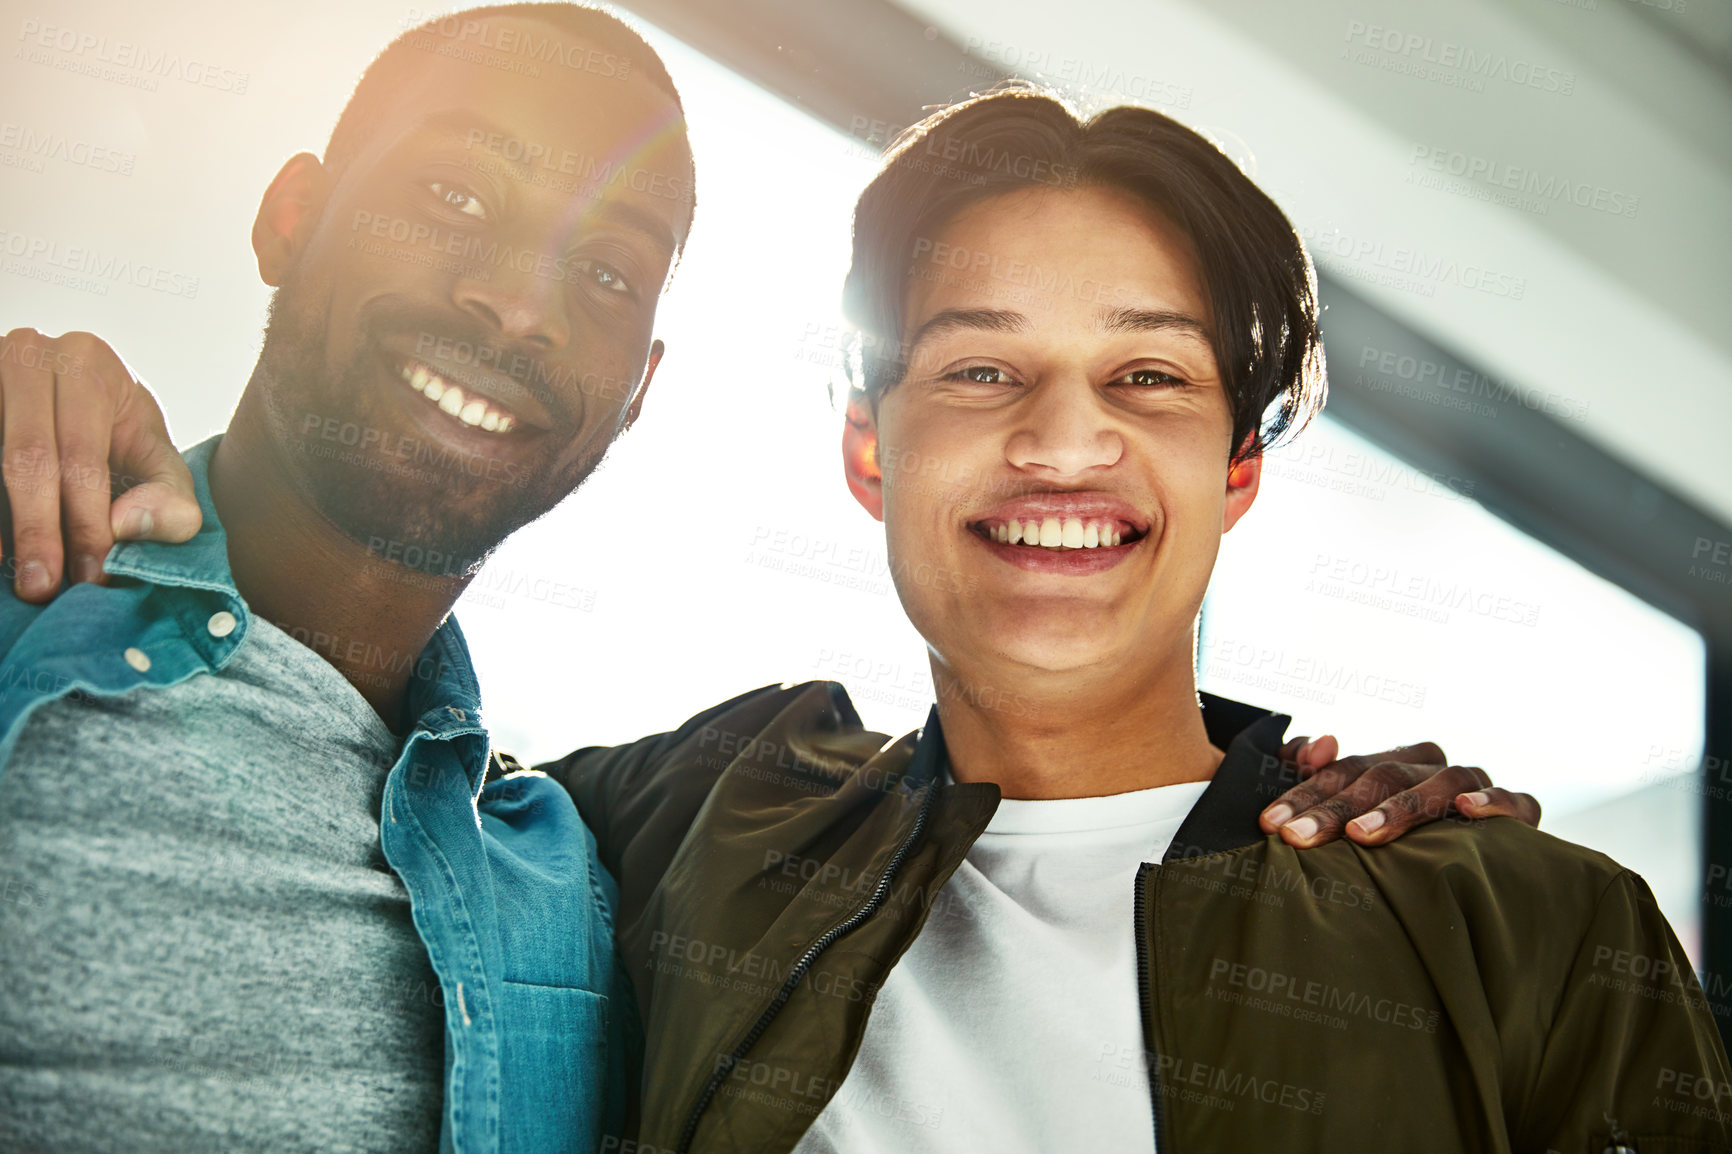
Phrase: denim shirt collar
(444, 703)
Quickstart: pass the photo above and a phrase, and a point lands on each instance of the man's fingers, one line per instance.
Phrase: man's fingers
(81, 428)
(1495, 802)
(1323, 751)
(1324, 821)
(1323, 783)
(1307, 755)
(163, 506)
(1425, 802)
(1425, 753)
(155, 511)
(29, 466)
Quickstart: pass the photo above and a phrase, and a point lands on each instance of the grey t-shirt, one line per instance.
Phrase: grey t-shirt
(201, 944)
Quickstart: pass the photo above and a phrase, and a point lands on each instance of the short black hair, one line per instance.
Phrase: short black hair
(354, 128)
(1261, 285)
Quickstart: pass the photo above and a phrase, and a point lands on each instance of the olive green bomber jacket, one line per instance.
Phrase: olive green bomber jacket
(1470, 987)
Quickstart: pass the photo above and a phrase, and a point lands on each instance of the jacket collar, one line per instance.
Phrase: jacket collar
(1225, 817)
(1249, 778)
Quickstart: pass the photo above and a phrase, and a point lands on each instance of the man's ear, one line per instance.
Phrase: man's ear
(657, 348)
(860, 456)
(1244, 476)
(286, 215)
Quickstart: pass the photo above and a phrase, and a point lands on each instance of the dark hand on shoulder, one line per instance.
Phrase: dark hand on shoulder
(1378, 797)
(87, 461)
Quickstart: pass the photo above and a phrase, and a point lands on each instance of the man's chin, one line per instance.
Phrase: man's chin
(434, 535)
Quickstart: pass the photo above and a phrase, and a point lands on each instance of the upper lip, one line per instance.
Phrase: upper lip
(1083, 506)
(504, 391)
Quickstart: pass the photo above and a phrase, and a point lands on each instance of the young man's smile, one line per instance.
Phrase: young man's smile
(1091, 427)
(1075, 533)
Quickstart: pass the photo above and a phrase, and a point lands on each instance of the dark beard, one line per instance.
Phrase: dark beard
(409, 501)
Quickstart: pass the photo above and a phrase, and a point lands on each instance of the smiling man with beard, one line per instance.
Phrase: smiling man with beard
(258, 898)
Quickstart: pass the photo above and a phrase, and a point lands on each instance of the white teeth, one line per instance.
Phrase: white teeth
(474, 412)
(1052, 533)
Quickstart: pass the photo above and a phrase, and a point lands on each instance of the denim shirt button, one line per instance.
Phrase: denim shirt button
(138, 659)
(221, 623)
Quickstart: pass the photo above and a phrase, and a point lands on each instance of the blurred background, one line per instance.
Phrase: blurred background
(1511, 534)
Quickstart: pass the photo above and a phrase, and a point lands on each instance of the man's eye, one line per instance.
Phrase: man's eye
(982, 375)
(459, 200)
(604, 275)
(1150, 378)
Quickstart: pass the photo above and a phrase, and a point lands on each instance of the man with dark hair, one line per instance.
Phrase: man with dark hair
(1060, 917)
(267, 903)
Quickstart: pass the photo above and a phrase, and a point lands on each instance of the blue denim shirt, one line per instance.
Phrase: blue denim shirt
(506, 891)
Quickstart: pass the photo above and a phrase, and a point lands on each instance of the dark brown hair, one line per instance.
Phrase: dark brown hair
(1261, 286)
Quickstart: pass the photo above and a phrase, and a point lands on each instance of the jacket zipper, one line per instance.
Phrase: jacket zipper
(1140, 920)
(828, 938)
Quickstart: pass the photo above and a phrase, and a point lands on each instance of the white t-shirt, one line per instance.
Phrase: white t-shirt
(1012, 1023)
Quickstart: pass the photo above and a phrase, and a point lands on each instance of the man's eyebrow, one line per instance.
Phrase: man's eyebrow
(457, 122)
(633, 217)
(975, 320)
(1128, 320)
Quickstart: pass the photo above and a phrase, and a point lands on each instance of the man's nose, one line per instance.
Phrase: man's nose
(521, 306)
(1064, 429)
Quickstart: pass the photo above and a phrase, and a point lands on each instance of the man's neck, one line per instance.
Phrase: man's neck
(1058, 736)
(368, 618)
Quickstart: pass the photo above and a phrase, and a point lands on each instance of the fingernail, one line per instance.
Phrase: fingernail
(1475, 799)
(88, 568)
(138, 523)
(1279, 815)
(1370, 822)
(1304, 828)
(32, 579)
